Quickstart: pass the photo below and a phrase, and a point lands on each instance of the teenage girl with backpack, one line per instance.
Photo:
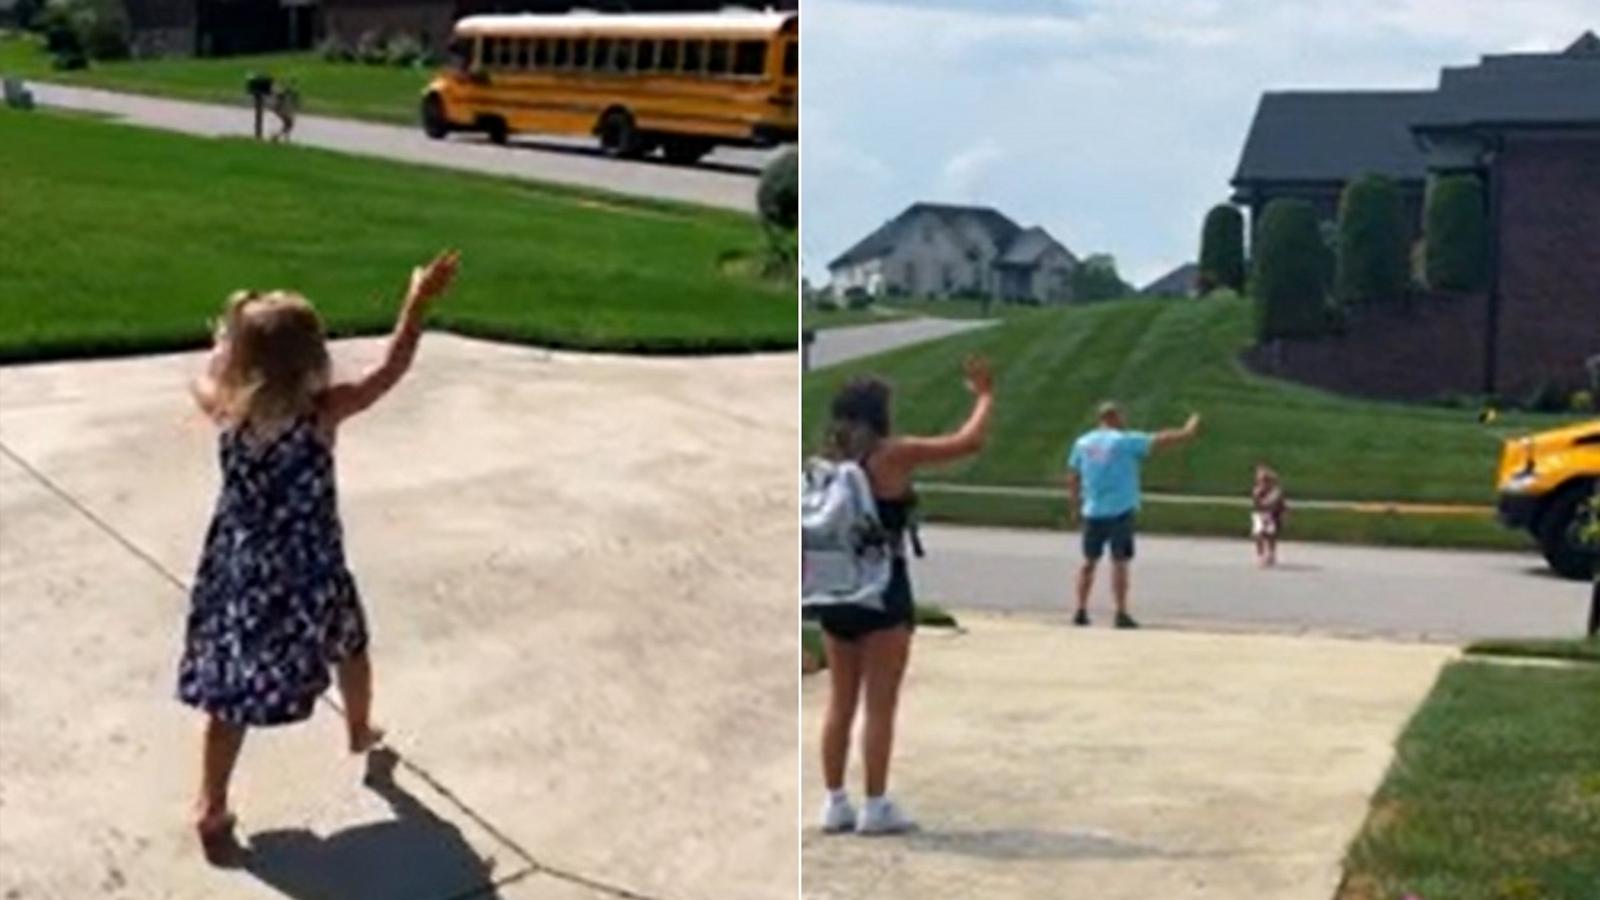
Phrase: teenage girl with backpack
(867, 649)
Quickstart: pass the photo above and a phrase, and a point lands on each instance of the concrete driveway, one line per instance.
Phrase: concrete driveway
(836, 345)
(727, 178)
(580, 575)
(1048, 762)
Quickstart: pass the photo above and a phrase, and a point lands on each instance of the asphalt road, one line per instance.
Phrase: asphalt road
(726, 178)
(1210, 583)
(837, 345)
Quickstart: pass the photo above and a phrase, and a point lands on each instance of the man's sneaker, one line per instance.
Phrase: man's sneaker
(880, 815)
(1081, 618)
(1126, 621)
(837, 815)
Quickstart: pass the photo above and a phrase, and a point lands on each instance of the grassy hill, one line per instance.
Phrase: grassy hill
(1161, 359)
(129, 239)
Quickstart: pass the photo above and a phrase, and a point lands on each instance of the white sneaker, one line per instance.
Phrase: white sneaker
(837, 814)
(880, 815)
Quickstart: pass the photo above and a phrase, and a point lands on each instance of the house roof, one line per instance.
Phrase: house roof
(1026, 248)
(1181, 281)
(882, 241)
(1334, 136)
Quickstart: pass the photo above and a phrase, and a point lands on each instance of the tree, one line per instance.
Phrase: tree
(1095, 278)
(1455, 234)
(1222, 249)
(1289, 276)
(1372, 258)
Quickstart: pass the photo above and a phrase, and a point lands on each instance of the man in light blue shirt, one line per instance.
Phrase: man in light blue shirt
(1103, 487)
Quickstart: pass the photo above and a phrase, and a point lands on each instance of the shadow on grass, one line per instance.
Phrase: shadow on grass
(415, 854)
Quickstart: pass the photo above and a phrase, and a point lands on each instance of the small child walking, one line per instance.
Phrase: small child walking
(273, 606)
(1267, 506)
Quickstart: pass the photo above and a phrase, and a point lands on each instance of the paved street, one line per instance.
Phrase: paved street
(1156, 765)
(837, 345)
(585, 659)
(1213, 583)
(727, 178)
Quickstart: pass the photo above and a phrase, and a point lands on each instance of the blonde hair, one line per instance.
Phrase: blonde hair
(277, 358)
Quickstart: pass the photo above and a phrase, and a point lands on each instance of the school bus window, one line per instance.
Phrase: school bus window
(602, 54)
(717, 58)
(524, 50)
(541, 53)
(486, 52)
(458, 54)
(694, 56)
(791, 59)
(560, 54)
(622, 60)
(646, 56)
(750, 58)
(508, 53)
(580, 53)
(669, 57)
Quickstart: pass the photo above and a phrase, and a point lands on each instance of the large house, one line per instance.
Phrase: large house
(1528, 124)
(940, 250)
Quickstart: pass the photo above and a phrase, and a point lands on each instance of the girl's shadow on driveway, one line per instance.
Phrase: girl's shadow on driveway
(416, 854)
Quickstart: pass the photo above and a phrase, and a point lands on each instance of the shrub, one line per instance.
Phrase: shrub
(1222, 249)
(1455, 234)
(1371, 261)
(1095, 278)
(403, 50)
(1290, 272)
(778, 192)
(78, 30)
(333, 49)
(370, 48)
(1583, 401)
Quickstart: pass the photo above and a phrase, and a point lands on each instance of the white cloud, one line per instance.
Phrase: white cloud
(1115, 123)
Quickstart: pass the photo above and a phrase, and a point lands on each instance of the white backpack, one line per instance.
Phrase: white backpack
(845, 554)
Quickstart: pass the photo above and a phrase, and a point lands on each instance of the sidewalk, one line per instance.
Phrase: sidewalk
(1047, 762)
(726, 181)
(550, 590)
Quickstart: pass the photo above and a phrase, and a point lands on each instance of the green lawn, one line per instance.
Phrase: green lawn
(823, 319)
(1494, 793)
(125, 239)
(351, 90)
(1161, 359)
(1576, 650)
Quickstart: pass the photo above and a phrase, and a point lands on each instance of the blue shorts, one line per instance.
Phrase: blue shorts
(1115, 530)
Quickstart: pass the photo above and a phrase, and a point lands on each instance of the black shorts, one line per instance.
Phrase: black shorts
(849, 623)
(1115, 530)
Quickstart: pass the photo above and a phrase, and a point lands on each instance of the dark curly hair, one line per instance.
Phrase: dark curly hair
(860, 418)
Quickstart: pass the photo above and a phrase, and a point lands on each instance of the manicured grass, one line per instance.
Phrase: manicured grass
(1327, 526)
(823, 319)
(351, 90)
(124, 239)
(950, 308)
(1575, 650)
(1161, 359)
(1494, 793)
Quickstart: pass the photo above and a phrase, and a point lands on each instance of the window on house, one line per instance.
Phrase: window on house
(694, 56)
(646, 56)
(750, 58)
(668, 61)
(717, 58)
(911, 277)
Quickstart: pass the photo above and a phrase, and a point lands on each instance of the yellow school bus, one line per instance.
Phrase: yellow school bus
(680, 83)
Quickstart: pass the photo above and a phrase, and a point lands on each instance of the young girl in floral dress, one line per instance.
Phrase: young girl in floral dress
(273, 606)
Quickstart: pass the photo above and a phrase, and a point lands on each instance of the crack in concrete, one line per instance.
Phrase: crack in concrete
(532, 866)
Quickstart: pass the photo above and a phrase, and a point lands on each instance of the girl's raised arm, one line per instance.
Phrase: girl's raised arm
(964, 441)
(428, 283)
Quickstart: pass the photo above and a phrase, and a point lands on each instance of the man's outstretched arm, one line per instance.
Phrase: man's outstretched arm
(1175, 436)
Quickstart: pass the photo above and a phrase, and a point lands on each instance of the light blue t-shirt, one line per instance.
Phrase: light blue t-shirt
(1107, 462)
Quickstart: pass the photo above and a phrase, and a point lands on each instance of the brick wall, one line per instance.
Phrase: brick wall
(1550, 260)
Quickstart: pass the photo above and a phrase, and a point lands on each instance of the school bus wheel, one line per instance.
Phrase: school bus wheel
(495, 127)
(618, 137)
(434, 122)
(685, 151)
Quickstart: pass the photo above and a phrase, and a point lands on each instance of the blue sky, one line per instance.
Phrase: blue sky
(1113, 123)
